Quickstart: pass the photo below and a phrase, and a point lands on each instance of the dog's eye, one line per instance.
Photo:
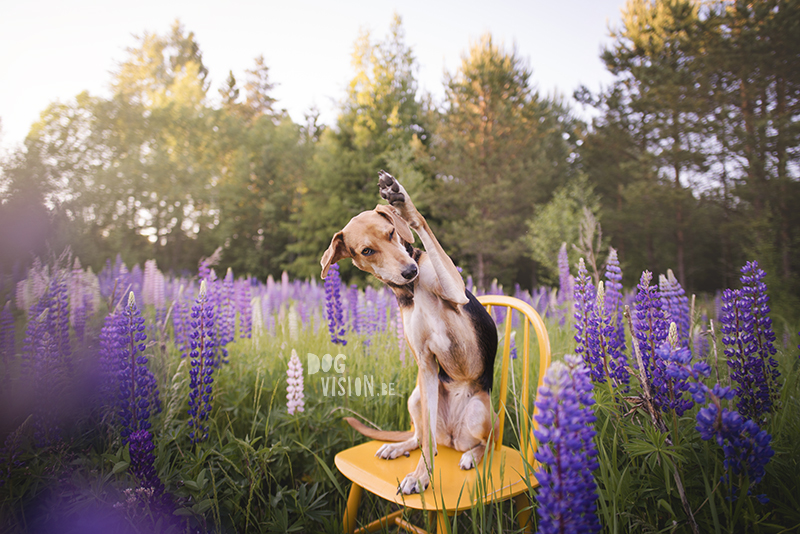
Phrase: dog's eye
(367, 252)
(391, 236)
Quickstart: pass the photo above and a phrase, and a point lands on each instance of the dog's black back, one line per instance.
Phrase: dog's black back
(486, 332)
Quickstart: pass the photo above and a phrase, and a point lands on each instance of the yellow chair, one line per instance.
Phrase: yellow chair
(504, 472)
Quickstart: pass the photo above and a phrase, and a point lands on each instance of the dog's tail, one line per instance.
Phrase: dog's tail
(380, 435)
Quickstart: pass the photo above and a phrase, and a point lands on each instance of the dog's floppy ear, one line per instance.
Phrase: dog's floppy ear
(403, 230)
(336, 251)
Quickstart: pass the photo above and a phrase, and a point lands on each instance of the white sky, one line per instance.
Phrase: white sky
(52, 50)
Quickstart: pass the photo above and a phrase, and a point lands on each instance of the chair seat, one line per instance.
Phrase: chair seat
(499, 476)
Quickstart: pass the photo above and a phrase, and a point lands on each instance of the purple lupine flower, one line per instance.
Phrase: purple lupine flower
(149, 282)
(180, 321)
(333, 305)
(143, 464)
(613, 284)
(669, 385)
(603, 354)
(748, 339)
(746, 447)
(649, 325)
(746, 371)
(676, 304)
(567, 453)
(565, 280)
(202, 359)
(245, 308)
(584, 295)
(294, 385)
(109, 361)
(222, 297)
(43, 362)
(355, 309)
(79, 321)
(138, 391)
(595, 337)
(763, 336)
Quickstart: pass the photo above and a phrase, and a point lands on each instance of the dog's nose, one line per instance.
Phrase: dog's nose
(409, 272)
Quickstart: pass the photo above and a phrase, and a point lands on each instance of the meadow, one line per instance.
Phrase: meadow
(135, 401)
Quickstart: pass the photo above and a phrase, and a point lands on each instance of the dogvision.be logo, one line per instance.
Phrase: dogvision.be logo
(339, 386)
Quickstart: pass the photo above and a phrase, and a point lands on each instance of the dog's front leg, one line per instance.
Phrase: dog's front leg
(451, 285)
(428, 383)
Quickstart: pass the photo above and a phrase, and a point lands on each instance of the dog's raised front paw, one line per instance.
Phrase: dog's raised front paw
(390, 189)
(412, 484)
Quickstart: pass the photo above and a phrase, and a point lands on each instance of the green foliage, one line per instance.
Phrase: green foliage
(557, 222)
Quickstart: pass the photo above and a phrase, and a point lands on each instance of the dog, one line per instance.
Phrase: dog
(452, 336)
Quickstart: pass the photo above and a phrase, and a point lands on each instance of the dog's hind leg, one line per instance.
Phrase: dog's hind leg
(475, 430)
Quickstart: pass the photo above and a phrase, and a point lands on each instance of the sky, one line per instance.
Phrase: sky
(53, 50)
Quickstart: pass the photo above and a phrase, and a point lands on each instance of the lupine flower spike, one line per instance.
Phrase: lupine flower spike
(333, 305)
(138, 392)
(568, 492)
(202, 358)
(584, 295)
(748, 339)
(294, 385)
(676, 304)
(607, 362)
(614, 297)
(746, 447)
(649, 325)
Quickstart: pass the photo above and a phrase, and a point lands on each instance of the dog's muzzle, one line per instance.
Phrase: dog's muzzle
(410, 272)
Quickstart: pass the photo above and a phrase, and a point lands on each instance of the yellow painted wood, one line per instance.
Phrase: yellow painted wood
(499, 476)
(351, 512)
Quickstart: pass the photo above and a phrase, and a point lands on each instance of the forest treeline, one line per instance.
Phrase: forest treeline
(690, 162)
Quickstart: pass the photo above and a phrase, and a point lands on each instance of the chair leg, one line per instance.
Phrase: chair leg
(351, 511)
(441, 523)
(523, 506)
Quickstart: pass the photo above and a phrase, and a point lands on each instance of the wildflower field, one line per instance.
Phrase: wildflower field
(135, 401)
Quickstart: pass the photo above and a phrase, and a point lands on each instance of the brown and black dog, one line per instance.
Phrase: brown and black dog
(453, 338)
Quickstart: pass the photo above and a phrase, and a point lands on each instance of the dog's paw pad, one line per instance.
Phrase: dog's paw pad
(390, 188)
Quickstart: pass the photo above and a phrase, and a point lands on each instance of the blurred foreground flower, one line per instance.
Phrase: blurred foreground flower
(567, 453)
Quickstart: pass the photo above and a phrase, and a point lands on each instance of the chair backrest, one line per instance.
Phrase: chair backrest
(528, 317)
